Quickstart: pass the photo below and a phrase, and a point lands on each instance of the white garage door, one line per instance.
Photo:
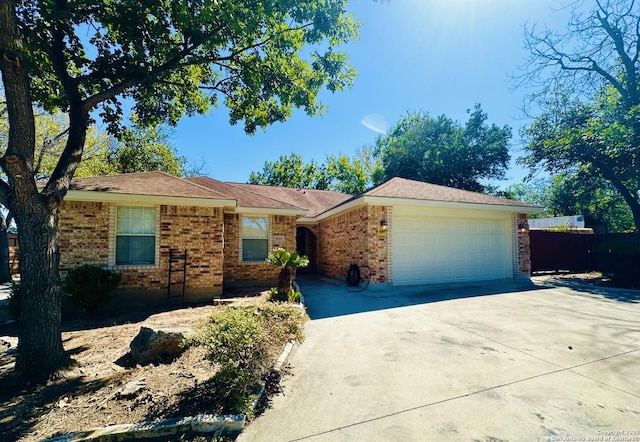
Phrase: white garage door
(439, 245)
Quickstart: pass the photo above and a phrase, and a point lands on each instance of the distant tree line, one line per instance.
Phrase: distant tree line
(420, 147)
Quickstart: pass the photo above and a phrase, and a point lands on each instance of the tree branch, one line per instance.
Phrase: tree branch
(180, 60)
(618, 40)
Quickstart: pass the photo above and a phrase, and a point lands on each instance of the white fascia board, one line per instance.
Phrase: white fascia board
(339, 209)
(268, 211)
(384, 201)
(307, 221)
(128, 198)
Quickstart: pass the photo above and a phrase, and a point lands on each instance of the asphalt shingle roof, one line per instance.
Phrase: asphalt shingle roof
(145, 183)
(418, 190)
(245, 197)
(315, 201)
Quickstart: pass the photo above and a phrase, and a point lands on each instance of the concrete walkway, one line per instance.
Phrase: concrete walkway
(504, 360)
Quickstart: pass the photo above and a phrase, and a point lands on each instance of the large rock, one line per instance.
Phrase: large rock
(158, 344)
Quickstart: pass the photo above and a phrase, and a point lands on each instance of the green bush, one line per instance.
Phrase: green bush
(274, 296)
(293, 296)
(244, 342)
(14, 300)
(90, 286)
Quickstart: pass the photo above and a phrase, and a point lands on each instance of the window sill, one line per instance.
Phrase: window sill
(135, 267)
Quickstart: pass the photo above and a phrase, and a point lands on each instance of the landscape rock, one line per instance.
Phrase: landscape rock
(132, 388)
(158, 344)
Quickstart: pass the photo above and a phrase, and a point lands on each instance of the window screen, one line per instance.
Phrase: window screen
(255, 239)
(135, 235)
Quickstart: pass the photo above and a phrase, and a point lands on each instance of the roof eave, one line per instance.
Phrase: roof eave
(390, 201)
(343, 207)
(129, 198)
(268, 211)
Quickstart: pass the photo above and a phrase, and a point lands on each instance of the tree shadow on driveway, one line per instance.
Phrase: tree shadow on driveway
(326, 298)
(613, 293)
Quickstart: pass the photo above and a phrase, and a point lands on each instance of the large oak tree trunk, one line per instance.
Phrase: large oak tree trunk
(40, 349)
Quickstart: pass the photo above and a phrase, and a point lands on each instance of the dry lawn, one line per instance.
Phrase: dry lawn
(87, 395)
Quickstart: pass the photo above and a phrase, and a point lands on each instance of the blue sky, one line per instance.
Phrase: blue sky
(441, 56)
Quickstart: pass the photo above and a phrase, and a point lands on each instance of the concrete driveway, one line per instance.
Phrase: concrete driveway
(504, 360)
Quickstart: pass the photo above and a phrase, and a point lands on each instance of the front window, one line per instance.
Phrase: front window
(136, 236)
(255, 239)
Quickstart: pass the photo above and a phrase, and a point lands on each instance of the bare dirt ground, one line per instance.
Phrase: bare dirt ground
(88, 394)
(589, 278)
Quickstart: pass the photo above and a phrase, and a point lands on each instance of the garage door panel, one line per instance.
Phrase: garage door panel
(430, 249)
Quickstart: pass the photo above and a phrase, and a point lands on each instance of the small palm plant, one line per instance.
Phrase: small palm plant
(288, 263)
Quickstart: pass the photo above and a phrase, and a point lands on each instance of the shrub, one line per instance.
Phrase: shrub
(90, 286)
(244, 342)
(15, 299)
(274, 296)
(293, 296)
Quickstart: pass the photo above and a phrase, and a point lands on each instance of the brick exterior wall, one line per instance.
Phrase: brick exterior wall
(524, 246)
(354, 237)
(282, 232)
(14, 265)
(213, 243)
(87, 235)
(199, 231)
(83, 233)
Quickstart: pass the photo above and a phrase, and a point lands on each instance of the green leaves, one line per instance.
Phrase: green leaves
(281, 257)
(145, 149)
(441, 151)
(291, 171)
(341, 173)
(590, 99)
(176, 58)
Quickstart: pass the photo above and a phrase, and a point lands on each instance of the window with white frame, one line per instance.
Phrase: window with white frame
(135, 235)
(255, 238)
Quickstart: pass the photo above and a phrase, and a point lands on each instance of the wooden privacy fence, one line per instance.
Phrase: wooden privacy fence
(561, 251)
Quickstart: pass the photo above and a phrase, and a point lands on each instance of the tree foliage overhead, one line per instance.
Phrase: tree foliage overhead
(169, 58)
(140, 149)
(181, 57)
(442, 151)
(588, 78)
